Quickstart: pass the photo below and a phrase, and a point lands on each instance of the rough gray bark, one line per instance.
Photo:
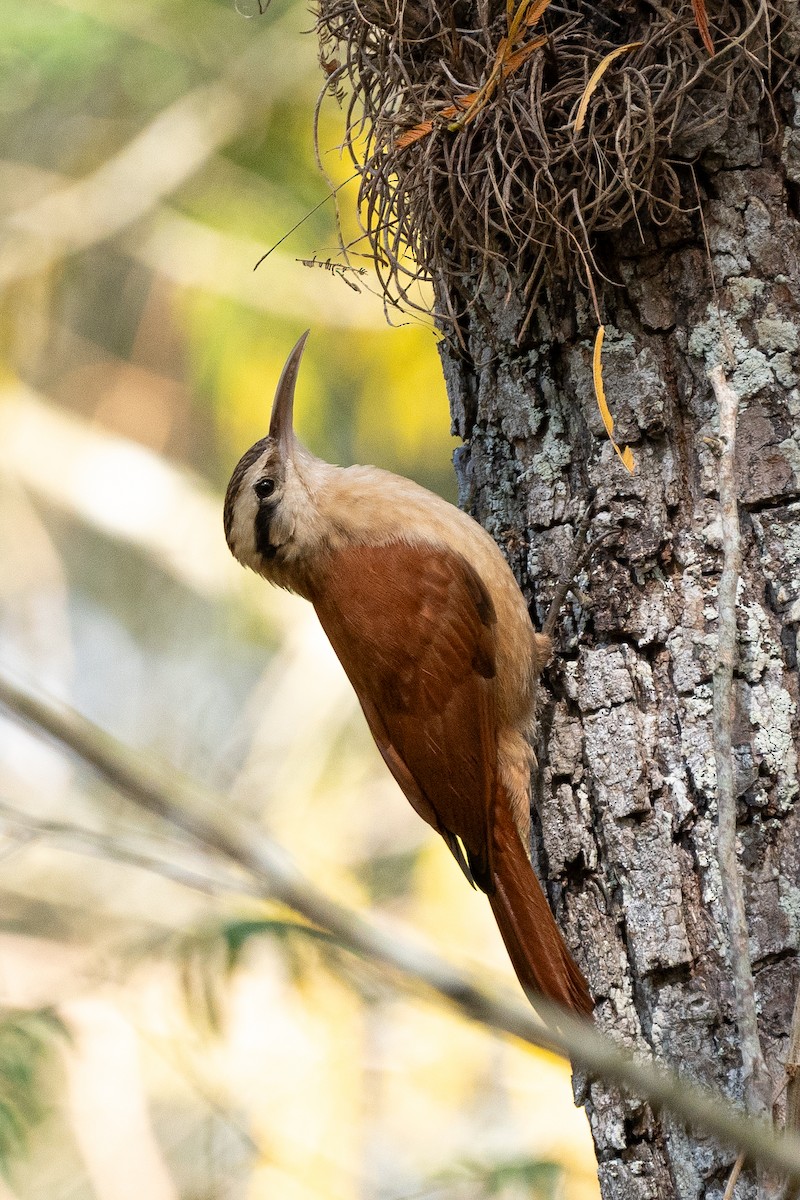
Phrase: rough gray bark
(625, 830)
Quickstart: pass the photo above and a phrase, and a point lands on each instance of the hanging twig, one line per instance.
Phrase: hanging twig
(331, 194)
(340, 270)
(733, 1178)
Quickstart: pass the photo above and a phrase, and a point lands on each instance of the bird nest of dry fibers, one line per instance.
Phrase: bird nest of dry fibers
(486, 132)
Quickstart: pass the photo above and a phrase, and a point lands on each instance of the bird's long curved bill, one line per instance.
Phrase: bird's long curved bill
(280, 426)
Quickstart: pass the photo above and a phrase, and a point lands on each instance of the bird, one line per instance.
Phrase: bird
(434, 634)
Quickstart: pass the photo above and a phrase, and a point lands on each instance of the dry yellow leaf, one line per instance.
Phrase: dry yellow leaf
(626, 455)
(506, 68)
(507, 60)
(596, 76)
(536, 12)
(422, 130)
(520, 56)
(528, 13)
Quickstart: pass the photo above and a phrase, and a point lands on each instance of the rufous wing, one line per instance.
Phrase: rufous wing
(413, 627)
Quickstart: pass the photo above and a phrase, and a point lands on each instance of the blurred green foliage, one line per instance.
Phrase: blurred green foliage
(533, 1178)
(28, 1040)
(209, 955)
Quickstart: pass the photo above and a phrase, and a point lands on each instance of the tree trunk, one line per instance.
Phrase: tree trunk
(510, 198)
(625, 832)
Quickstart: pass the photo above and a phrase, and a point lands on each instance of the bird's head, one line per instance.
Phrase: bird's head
(268, 494)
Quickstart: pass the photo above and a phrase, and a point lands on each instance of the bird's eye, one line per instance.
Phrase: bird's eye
(264, 488)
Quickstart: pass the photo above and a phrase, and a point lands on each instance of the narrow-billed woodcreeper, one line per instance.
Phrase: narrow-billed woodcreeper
(427, 620)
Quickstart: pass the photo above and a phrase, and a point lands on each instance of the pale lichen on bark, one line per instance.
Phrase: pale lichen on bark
(757, 1085)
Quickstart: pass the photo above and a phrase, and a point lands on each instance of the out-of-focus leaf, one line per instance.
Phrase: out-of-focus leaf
(203, 976)
(538, 1178)
(66, 46)
(27, 1040)
(388, 876)
(207, 958)
(237, 935)
(531, 1178)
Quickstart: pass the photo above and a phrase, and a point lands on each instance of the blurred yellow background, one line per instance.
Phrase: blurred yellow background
(151, 151)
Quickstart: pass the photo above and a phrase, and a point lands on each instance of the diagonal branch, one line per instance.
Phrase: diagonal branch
(194, 871)
(207, 820)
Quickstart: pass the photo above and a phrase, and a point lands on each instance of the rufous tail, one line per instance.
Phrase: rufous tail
(538, 953)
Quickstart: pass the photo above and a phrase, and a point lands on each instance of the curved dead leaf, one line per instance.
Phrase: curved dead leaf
(596, 76)
(626, 455)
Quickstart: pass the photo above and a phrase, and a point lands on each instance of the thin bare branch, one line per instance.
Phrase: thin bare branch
(199, 874)
(209, 822)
